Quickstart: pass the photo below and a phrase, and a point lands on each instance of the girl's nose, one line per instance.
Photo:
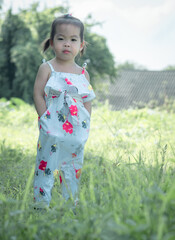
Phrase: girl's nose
(67, 44)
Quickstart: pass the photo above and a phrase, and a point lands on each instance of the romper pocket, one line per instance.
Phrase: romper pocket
(47, 113)
(45, 120)
(44, 114)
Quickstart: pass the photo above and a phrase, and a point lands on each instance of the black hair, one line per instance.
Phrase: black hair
(65, 19)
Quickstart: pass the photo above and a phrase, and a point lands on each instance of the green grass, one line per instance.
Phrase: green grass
(127, 187)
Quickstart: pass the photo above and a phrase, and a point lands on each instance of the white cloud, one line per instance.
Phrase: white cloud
(146, 17)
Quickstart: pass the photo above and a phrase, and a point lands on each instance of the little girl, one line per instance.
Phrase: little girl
(62, 97)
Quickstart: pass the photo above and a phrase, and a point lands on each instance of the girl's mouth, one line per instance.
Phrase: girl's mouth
(66, 51)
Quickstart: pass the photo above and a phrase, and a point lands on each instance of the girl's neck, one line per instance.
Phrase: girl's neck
(64, 63)
(65, 66)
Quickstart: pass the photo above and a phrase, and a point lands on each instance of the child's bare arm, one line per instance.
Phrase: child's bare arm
(87, 105)
(38, 92)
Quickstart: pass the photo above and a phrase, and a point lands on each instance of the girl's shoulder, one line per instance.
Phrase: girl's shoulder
(44, 69)
(44, 72)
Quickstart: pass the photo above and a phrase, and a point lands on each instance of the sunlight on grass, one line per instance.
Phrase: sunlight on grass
(127, 184)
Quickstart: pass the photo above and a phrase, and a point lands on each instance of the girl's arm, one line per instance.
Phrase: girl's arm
(38, 91)
(87, 105)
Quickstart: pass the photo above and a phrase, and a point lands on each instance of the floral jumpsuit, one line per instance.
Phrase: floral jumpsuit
(64, 130)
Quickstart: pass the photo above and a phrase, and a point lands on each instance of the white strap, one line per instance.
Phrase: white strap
(84, 65)
(51, 66)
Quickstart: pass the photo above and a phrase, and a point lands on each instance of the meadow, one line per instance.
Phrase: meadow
(127, 189)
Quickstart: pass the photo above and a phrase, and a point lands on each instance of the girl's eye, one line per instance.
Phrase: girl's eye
(60, 38)
(74, 39)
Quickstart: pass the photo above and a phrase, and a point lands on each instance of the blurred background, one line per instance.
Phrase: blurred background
(129, 35)
(127, 185)
(137, 31)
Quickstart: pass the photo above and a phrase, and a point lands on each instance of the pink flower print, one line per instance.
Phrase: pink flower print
(74, 155)
(74, 100)
(68, 81)
(40, 126)
(67, 126)
(85, 96)
(48, 114)
(54, 96)
(83, 71)
(78, 173)
(42, 192)
(42, 165)
(60, 179)
(38, 118)
(73, 110)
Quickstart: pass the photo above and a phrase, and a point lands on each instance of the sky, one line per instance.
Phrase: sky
(139, 31)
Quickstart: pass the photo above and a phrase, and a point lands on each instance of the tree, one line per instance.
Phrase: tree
(101, 64)
(20, 51)
(26, 60)
(13, 33)
(100, 60)
(1, 2)
(130, 66)
(40, 21)
(170, 68)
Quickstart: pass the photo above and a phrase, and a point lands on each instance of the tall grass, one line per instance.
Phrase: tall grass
(127, 188)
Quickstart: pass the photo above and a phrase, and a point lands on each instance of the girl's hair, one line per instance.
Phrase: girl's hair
(65, 19)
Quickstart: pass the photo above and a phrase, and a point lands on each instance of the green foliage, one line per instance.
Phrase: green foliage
(1, 2)
(127, 187)
(130, 66)
(14, 35)
(20, 51)
(40, 21)
(101, 64)
(170, 68)
(25, 73)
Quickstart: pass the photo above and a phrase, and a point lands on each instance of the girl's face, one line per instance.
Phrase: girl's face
(66, 43)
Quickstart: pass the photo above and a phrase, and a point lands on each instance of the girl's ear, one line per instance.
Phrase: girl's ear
(82, 46)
